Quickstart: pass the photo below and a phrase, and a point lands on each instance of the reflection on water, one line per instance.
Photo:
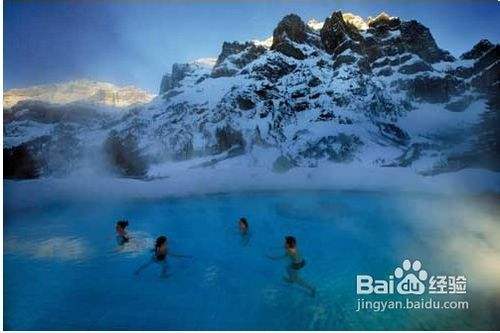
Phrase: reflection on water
(79, 268)
(211, 275)
(57, 248)
(67, 248)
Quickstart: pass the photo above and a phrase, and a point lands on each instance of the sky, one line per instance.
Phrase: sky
(135, 42)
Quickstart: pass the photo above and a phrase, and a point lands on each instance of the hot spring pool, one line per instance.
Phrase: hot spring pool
(64, 270)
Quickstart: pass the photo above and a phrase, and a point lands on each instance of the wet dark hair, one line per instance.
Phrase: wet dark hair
(291, 241)
(244, 221)
(122, 224)
(160, 241)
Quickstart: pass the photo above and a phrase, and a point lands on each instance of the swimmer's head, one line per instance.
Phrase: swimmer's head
(243, 223)
(122, 224)
(160, 241)
(290, 242)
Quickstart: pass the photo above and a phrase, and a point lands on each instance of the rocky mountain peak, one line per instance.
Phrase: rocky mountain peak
(379, 36)
(291, 29)
(338, 32)
(478, 50)
(418, 39)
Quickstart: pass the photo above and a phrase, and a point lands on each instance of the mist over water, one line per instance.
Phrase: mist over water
(68, 247)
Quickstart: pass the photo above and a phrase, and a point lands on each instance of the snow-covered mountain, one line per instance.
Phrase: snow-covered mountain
(377, 92)
(82, 91)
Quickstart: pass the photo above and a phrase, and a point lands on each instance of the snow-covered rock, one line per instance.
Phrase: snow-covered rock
(376, 92)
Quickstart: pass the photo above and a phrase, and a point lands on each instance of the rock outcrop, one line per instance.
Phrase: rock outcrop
(235, 56)
(172, 80)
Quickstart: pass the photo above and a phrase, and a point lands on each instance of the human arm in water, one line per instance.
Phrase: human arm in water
(278, 257)
(175, 255)
(143, 266)
(163, 273)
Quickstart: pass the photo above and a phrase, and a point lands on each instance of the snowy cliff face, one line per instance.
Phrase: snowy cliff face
(83, 91)
(379, 92)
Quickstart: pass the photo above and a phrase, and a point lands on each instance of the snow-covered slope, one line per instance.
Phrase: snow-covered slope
(376, 92)
(101, 93)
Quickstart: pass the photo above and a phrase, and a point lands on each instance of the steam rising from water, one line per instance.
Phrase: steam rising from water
(179, 179)
(463, 231)
(475, 243)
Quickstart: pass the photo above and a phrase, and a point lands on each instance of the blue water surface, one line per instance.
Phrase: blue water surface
(64, 270)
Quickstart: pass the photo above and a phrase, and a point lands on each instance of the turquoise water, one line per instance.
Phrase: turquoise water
(64, 270)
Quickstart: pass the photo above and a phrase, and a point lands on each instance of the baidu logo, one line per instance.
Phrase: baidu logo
(410, 278)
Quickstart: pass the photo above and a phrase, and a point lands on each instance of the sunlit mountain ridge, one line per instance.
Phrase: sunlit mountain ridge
(86, 91)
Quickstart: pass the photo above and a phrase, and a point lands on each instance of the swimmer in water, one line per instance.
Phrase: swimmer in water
(296, 264)
(121, 234)
(160, 256)
(244, 230)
